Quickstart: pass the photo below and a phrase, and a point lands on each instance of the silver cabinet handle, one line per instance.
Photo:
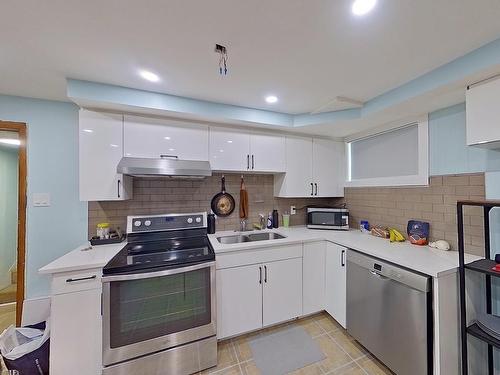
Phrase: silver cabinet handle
(265, 274)
(165, 156)
(81, 279)
(252, 162)
(248, 161)
(316, 187)
(118, 187)
(376, 274)
(312, 189)
(342, 258)
(260, 275)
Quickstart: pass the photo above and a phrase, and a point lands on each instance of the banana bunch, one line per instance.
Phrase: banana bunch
(396, 236)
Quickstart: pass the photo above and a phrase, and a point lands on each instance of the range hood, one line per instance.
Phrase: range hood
(164, 167)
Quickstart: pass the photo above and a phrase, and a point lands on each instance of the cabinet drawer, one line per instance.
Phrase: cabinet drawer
(68, 282)
(255, 256)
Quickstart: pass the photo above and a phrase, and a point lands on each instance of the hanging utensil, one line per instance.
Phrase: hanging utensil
(223, 202)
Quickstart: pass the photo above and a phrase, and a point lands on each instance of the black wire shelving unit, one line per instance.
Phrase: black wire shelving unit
(483, 266)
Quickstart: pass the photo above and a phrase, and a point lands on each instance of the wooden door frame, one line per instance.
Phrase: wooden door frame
(20, 129)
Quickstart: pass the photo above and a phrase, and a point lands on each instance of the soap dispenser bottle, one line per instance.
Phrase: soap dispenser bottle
(270, 221)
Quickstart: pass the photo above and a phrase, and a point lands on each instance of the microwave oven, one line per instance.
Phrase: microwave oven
(328, 218)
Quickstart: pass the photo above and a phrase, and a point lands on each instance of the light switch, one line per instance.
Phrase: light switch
(41, 199)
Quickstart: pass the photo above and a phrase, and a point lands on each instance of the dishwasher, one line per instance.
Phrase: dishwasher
(389, 311)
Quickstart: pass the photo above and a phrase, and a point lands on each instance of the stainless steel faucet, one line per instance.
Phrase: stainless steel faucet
(243, 225)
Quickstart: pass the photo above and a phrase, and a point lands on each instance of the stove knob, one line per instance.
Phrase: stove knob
(198, 219)
(147, 223)
(190, 220)
(137, 223)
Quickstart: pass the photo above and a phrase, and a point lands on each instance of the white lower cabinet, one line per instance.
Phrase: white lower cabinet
(282, 291)
(254, 296)
(76, 333)
(335, 276)
(239, 300)
(313, 264)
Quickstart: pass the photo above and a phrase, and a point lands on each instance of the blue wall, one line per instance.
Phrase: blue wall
(449, 153)
(52, 168)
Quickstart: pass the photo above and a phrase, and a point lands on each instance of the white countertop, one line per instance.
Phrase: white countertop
(423, 259)
(81, 258)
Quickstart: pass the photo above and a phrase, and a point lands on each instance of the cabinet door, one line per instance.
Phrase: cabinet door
(76, 329)
(152, 138)
(314, 277)
(239, 300)
(100, 151)
(229, 150)
(297, 181)
(267, 153)
(335, 301)
(282, 292)
(328, 161)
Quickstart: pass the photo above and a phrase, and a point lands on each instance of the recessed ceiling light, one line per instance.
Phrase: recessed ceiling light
(171, 149)
(271, 99)
(8, 141)
(149, 76)
(221, 150)
(361, 7)
(167, 138)
(229, 141)
(88, 130)
(113, 145)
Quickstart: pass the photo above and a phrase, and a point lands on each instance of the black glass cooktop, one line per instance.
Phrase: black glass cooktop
(148, 253)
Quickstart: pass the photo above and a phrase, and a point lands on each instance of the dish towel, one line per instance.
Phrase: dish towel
(243, 200)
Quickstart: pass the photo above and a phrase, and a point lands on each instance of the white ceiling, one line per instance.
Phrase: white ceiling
(307, 52)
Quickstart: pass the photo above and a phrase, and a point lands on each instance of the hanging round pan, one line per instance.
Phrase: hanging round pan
(223, 202)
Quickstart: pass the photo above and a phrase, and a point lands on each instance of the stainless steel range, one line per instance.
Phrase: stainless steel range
(159, 304)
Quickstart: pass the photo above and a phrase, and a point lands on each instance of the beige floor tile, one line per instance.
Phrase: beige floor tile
(7, 316)
(351, 369)
(249, 368)
(374, 367)
(311, 326)
(226, 357)
(327, 323)
(242, 346)
(348, 343)
(335, 356)
(233, 370)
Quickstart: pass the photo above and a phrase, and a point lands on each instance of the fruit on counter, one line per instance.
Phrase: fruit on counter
(395, 235)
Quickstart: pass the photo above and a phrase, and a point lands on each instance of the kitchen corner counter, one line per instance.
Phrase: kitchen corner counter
(423, 259)
(83, 257)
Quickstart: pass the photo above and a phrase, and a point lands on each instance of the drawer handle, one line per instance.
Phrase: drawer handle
(164, 156)
(260, 275)
(81, 279)
(265, 274)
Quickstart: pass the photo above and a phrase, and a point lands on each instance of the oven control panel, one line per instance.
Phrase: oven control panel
(155, 223)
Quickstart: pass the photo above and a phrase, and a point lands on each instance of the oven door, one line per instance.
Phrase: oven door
(148, 312)
(327, 219)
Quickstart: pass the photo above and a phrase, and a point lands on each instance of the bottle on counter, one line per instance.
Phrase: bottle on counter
(270, 221)
(211, 223)
(276, 219)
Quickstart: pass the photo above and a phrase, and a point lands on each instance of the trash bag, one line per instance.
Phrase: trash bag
(26, 349)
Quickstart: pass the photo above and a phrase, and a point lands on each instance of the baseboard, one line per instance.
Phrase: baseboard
(35, 310)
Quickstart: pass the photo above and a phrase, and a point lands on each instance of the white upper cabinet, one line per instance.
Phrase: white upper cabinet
(328, 168)
(100, 151)
(297, 181)
(229, 150)
(314, 168)
(483, 114)
(154, 138)
(267, 153)
(240, 151)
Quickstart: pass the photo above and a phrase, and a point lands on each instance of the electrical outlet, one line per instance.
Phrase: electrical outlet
(293, 210)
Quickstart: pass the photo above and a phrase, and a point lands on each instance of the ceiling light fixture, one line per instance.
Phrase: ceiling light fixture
(88, 130)
(8, 141)
(271, 99)
(362, 7)
(149, 76)
(167, 138)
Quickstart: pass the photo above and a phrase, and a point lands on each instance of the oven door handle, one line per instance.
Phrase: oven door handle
(149, 275)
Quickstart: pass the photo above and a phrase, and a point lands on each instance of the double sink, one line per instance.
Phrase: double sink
(252, 237)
